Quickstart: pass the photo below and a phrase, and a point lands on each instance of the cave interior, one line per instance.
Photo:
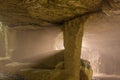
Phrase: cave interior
(59, 40)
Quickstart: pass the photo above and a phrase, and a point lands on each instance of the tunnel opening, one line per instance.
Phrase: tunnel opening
(31, 47)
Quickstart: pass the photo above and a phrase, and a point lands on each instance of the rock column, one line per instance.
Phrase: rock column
(73, 33)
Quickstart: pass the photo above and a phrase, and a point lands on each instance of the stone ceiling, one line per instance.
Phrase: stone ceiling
(43, 12)
(18, 12)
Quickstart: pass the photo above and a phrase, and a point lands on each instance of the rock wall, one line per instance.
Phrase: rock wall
(3, 40)
(2, 49)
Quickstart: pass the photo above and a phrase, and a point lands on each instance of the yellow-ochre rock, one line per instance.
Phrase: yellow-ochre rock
(16, 12)
(86, 71)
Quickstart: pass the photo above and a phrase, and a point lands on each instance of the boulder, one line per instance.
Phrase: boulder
(86, 71)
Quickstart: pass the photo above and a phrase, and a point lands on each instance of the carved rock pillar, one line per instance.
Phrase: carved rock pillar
(73, 33)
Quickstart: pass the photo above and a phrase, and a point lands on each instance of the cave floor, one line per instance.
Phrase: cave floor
(8, 65)
(11, 67)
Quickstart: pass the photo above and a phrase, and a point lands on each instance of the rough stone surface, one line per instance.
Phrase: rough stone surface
(111, 7)
(12, 13)
(22, 12)
(59, 10)
(58, 74)
(73, 33)
(86, 71)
